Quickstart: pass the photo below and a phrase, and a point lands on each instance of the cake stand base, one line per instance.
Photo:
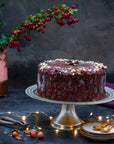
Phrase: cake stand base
(67, 118)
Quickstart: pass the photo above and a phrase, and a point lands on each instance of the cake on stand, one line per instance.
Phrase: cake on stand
(67, 119)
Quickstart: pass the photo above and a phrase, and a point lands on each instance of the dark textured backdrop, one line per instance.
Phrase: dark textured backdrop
(90, 39)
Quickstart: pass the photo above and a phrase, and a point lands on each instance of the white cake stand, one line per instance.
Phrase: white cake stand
(67, 118)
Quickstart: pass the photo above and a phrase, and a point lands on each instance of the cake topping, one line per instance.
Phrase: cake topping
(89, 70)
(73, 70)
(43, 65)
(69, 63)
(72, 66)
(72, 62)
(75, 62)
(57, 59)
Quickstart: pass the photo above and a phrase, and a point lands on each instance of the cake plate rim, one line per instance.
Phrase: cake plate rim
(31, 91)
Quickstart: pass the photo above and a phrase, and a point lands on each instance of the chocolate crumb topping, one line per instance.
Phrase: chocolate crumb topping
(71, 66)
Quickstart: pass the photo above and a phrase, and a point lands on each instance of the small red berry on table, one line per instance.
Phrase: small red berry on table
(40, 135)
(15, 132)
(33, 132)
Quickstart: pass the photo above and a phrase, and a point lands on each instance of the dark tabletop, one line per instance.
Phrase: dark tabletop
(18, 102)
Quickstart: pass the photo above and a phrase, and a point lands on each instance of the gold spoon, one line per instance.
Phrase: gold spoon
(106, 130)
(103, 124)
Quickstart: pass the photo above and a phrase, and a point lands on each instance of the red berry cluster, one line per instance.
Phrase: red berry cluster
(38, 23)
(71, 21)
(61, 23)
(29, 27)
(33, 133)
(34, 26)
(14, 44)
(65, 15)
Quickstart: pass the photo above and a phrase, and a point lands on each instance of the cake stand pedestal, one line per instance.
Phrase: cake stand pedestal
(67, 119)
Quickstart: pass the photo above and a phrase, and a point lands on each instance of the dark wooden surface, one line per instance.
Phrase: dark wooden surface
(17, 101)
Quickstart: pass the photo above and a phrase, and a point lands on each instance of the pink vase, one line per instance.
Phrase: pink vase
(3, 74)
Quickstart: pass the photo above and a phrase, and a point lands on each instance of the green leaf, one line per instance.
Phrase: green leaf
(50, 11)
(13, 37)
(33, 18)
(3, 38)
(2, 24)
(66, 10)
(58, 16)
(39, 15)
(3, 4)
(3, 44)
(37, 29)
(29, 17)
(72, 10)
(75, 10)
(26, 21)
(62, 6)
(8, 36)
(41, 19)
(20, 26)
(2, 41)
(59, 11)
(1, 51)
(42, 11)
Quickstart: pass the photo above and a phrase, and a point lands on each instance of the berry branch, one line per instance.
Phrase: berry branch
(63, 14)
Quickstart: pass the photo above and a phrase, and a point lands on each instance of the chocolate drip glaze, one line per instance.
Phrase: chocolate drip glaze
(71, 80)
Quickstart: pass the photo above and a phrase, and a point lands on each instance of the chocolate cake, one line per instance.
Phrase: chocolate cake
(71, 80)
